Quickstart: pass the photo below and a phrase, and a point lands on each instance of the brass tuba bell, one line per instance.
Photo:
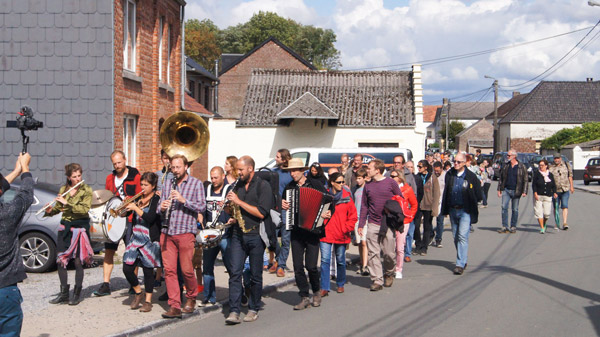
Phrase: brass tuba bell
(184, 133)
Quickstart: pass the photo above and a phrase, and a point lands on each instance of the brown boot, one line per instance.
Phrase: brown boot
(190, 306)
(172, 313)
(316, 302)
(146, 307)
(388, 280)
(304, 303)
(137, 299)
(273, 268)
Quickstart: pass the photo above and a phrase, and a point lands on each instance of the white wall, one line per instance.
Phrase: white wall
(534, 131)
(262, 143)
(580, 157)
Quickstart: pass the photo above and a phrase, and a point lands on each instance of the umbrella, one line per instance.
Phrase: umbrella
(556, 213)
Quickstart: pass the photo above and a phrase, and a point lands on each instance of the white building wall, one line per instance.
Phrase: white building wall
(261, 143)
(537, 132)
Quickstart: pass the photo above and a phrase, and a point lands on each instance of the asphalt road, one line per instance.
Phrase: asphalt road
(515, 285)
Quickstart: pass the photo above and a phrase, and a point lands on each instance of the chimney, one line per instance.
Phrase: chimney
(516, 93)
(444, 101)
(589, 79)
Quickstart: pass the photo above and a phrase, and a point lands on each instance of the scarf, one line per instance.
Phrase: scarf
(546, 176)
(81, 240)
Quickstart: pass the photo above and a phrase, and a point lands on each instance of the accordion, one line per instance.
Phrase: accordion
(306, 207)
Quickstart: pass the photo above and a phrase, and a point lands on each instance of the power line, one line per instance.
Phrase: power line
(472, 54)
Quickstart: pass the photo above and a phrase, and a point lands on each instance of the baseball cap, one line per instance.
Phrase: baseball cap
(557, 155)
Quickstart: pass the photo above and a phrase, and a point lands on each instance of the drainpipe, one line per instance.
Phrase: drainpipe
(216, 91)
(183, 74)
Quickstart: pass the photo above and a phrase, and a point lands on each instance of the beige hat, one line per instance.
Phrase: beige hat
(295, 163)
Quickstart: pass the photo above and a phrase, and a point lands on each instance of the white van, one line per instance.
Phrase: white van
(328, 157)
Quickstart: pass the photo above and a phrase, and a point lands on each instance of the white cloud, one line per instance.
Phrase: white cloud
(468, 73)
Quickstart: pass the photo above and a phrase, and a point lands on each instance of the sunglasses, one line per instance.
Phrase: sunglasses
(339, 181)
(397, 162)
(394, 176)
(419, 166)
(458, 162)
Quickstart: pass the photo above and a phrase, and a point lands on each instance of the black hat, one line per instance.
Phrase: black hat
(4, 184)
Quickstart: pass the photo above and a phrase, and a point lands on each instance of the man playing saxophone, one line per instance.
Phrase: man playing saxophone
(254, 198)
(182, 201)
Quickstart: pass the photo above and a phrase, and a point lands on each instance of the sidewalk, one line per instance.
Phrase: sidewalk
(110, 315)
(591, 188)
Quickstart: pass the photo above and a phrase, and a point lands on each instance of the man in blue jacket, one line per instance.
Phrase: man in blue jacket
(11, 262)
(462, 192)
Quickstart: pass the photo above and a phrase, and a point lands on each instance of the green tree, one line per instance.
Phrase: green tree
(314, 44)
(585, 133)
(201, 42)
(455, 128)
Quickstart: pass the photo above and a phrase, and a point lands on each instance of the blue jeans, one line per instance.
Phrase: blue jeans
(439, 227)
(208, 259)
(11, 314)
(284, 251)
(563, 199)
(509, 196)
(240, 247)
(340, 256)
(409, 239)
(461, 222)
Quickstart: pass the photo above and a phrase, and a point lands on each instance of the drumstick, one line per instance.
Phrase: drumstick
(63, 195)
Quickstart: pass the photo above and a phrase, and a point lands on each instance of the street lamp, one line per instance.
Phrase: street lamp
(495, 112)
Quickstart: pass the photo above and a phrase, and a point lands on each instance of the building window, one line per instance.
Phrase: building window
(206, 97)
(169, 49)
(160, 48)
(129, 138)
(129, 35)
(377, 144)
(192, 88)
(429, 134)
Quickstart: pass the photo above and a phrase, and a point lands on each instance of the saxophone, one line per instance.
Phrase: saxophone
(236, 212)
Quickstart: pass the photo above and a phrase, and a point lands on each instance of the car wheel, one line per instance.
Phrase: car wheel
(585, 182)
(38, 252)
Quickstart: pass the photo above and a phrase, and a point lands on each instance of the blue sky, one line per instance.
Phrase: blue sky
(380, 33)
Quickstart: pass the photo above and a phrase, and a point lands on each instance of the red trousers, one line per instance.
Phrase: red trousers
(178, 248)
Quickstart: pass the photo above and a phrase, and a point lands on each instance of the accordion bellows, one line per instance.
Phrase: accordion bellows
(306, 207)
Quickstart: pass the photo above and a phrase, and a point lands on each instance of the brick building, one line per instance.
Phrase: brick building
(236, 73)
(101, 75)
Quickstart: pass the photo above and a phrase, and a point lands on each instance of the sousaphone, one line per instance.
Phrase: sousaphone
(184, 133)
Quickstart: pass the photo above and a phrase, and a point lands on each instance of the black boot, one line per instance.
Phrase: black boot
(76, 296)
(63, 296)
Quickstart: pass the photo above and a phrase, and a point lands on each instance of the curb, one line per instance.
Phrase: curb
(199, 312)
(586, 190)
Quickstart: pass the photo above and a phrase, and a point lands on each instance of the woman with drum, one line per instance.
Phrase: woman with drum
(74, 201)
(144, 248)
(337, 233)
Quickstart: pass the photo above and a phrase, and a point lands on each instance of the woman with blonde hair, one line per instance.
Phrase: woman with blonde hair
(231, 174)
(73, 242)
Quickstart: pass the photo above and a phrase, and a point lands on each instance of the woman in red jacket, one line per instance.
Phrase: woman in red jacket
(409, 195)
(337, 233)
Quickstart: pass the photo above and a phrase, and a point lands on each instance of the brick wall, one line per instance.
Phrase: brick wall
(143, 95)
(233, 84)
(523, 144)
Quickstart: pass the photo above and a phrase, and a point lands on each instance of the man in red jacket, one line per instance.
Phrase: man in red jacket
(124, 181)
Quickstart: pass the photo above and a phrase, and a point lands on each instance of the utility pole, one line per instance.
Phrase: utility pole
(495, 112)
(445, 107)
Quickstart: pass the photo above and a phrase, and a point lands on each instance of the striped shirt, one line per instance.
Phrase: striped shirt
(184, 217)
(375, 194)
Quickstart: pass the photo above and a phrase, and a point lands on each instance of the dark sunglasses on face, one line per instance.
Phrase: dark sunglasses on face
(394, 175)
(458, 162)
(419, 166)
(339, 181)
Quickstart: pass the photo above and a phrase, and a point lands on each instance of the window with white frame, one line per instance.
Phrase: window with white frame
(169, 49)
(161, 29)
(129, 138)
(129, 35)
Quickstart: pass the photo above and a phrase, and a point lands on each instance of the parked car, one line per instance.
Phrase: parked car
(501, 158)
(592, 171)
(38, 234)
(535, 161)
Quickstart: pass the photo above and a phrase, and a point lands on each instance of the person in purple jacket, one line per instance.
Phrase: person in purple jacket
(375, 194)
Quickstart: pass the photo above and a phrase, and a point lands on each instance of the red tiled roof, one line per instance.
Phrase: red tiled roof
(429, 113)
(192, 105)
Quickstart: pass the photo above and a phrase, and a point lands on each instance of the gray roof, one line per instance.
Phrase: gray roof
(360, 99)
(473, 126)
(56, 57)
(228, 59)
(480, 142)
(191, 65)
(307, 106)
(468, 110)
(558, 102)
(585, 145)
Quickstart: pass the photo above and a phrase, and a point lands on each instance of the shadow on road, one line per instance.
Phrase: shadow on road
(440, 263)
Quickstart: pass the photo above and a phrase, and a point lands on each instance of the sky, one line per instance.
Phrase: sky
(393, 34)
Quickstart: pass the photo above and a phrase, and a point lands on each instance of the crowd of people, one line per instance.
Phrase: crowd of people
(388, 212)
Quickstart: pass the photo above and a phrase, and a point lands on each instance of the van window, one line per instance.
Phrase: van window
(305, 156)
(328, 160)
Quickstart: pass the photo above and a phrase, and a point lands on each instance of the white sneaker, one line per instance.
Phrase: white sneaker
(398, 275)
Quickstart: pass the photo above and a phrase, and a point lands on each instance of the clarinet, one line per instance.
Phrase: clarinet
(168, 212)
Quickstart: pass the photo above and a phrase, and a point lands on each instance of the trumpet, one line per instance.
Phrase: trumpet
(62, 195)
(121, 210)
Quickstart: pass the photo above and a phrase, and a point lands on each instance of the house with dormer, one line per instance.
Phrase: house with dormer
(287, 103)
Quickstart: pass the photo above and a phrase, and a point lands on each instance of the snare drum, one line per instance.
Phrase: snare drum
(209, 238)
(103, 226)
